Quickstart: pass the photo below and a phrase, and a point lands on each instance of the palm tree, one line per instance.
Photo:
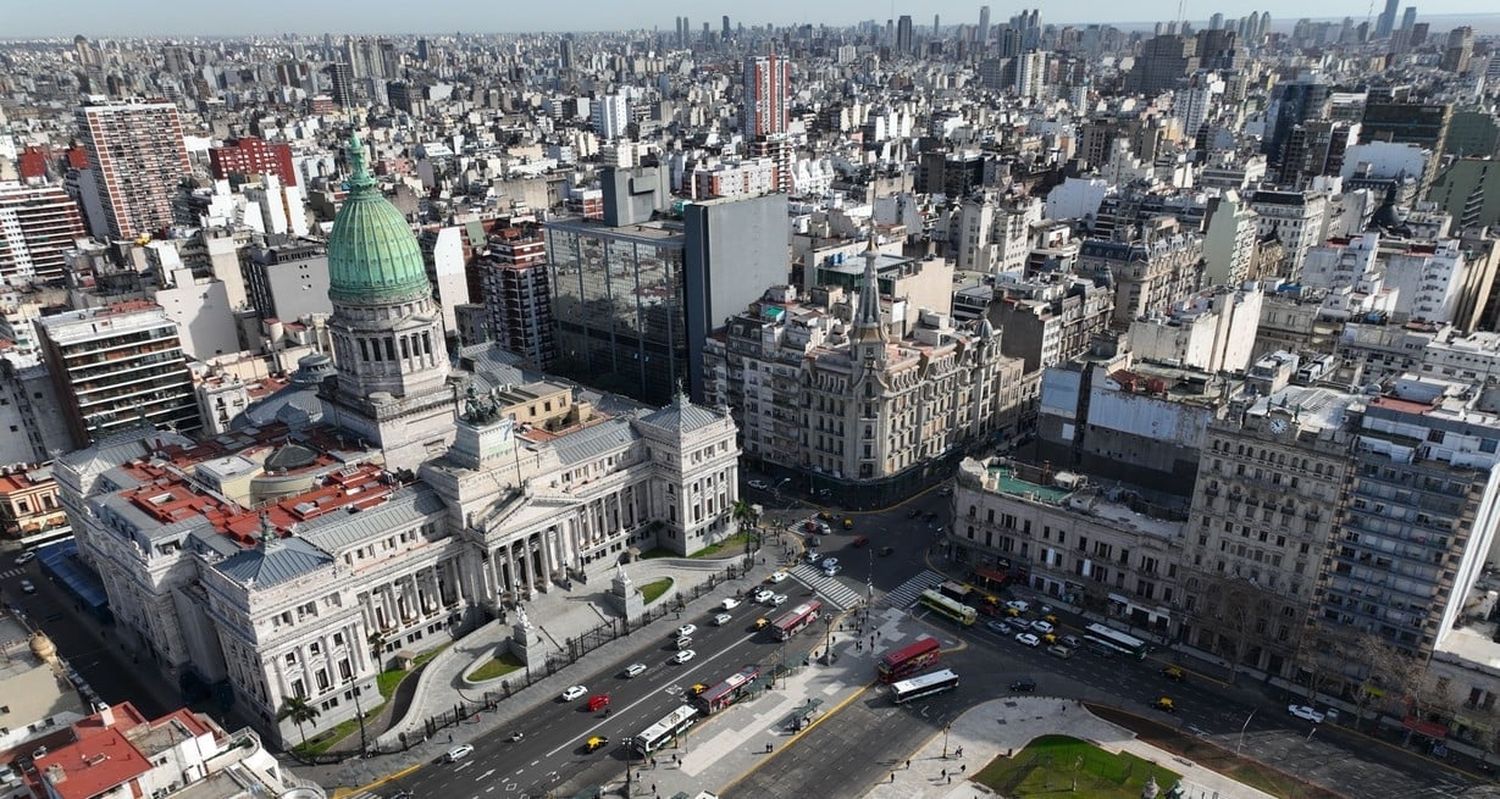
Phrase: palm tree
(745, 517)
(301, 712)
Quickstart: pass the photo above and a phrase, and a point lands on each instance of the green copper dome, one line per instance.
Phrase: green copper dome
(373, 257)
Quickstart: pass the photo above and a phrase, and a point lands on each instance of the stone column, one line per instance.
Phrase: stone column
(525, 578)
(392, 612)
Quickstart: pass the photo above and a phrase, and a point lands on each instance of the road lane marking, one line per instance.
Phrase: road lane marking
(464, 765)
(484, 775)
(652, 694)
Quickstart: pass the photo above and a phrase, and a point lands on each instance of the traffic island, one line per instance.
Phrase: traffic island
(1241, 769)
(1055, 764)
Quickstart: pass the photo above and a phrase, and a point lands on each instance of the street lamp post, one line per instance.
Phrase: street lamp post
(946, 727)
(828, 640)
(1244, 727)
(360, 714)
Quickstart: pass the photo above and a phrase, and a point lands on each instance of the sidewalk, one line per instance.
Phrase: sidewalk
(1005, 725)
(559, 615)
(721, 750)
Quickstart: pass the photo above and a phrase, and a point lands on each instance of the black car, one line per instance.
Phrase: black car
(1023, 685)
(887, 551)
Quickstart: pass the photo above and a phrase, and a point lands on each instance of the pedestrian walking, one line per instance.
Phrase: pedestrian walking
(950, 779)
(653, 762)
(450, 737)
(945, 772)
(960, 751)
(653, 787)
(963, 768)
(908, 764)
(893, 776)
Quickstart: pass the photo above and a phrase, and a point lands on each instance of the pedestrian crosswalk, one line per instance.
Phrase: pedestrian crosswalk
(833, 590)
(907, 592)
(9, 573)
(363, 795)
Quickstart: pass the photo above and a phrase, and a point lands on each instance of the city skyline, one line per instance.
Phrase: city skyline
(105, 20)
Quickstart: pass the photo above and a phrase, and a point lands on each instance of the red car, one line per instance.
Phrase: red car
(598, 702)
(860, 541)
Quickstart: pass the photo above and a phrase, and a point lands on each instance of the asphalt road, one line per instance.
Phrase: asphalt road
(551, 754)
(112, 674)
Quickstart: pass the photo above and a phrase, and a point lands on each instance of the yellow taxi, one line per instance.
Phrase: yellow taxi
(595, 743)
(698, 688)
(1165, 704)
(1174, 674)
(848, 523)
(761, 623)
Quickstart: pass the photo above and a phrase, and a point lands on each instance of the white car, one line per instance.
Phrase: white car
(776, 601)
(829, 563)
(830, 571)
(723, 619)
(574, 692)
(684, 656)
(25, 558)
(635, 670)
(813, 556)
(458, 753)
(27, 587)
(686, 630)
(1305, 713)
(1028, 639)
(1041, 626)
(759, 485)
(777, 576)
(729, 603)
(1019, 604)
(763, 594)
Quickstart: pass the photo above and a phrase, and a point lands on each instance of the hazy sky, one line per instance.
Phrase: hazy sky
(103, 18)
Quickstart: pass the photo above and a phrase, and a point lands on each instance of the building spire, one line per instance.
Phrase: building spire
(869, 292)
(359, 174)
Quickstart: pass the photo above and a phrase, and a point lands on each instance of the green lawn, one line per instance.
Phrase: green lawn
(735, 545)
(652, 591)
(386, 681)
(495, 667)
(656, 552)
(1057, 764)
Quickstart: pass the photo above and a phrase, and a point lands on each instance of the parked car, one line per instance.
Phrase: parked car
(573, 692)
(1019, 605)
(729, 603)
(777, 576)
(759, 485)
(458, 753)
(25, 558)
(1305, 713)
(684, 656)
(1028, 639)
(635, 670)
(1025, 684)
(686, 629)
(722, 619)
(1042, 626)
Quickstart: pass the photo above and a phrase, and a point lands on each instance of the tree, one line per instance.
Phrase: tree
(745, 517)
(301, 712)
(1235, 605)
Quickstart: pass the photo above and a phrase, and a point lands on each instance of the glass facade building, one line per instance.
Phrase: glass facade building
(617, 300)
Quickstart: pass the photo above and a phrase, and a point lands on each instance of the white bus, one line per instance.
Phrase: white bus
(924, 685)
(662, 732)
(1112, 639)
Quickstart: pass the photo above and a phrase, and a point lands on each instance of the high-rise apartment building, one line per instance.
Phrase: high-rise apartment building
(37, 226)
(250, 155)
(1387, 19)
(766, 102)
(982, 34)
(517, 294)
(116, 366)
(138, 157)
(1421, 512)
(1164, 60)
(610, 115)
(904, 34)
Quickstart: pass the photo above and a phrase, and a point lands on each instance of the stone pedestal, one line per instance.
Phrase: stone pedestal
(624, 597)
(526, 643)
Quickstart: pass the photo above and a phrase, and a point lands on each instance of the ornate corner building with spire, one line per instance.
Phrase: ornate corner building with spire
(358, 512)
(825, 392)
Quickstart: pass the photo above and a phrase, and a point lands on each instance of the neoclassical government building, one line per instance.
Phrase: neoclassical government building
(385, 500)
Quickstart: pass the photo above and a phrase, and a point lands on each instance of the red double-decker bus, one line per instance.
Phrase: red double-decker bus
(898, 664)
(728, 692)
(795, 619)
